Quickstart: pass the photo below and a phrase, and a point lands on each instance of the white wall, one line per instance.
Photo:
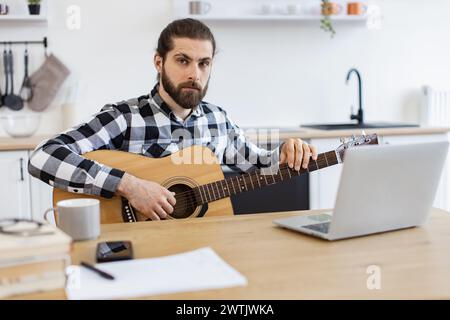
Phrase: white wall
(266, 73)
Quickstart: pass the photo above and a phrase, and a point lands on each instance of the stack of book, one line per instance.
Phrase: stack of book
(36, 263)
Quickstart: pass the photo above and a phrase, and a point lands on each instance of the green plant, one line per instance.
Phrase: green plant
(325, 21)
(34, 2)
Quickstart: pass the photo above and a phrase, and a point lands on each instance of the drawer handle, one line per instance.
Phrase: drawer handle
(21, 170)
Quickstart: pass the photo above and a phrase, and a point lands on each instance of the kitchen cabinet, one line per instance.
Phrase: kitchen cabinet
(15, 186)
(21, 195)
(41, 198)
(324, 183)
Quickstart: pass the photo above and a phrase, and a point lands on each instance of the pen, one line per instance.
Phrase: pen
(99, 272)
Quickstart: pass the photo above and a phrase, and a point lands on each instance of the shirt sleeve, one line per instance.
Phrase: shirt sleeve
(245, 156)
(59, 162)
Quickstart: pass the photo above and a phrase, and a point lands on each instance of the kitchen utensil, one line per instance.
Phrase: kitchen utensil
(11, 100)
(5, 68)
(19, 125)
(26, 91)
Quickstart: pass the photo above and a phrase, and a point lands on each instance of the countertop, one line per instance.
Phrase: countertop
(10, 144)
(307, 133)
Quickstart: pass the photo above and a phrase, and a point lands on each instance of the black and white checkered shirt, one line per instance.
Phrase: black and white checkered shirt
(145, 126)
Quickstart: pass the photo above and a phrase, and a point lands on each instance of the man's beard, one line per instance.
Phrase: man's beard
(187, 99)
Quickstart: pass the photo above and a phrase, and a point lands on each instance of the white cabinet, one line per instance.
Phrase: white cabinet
(41, 198)
(21, 196)
(15, 185)
(324, 183)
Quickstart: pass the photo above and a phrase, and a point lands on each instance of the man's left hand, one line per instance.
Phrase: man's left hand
(297, 153)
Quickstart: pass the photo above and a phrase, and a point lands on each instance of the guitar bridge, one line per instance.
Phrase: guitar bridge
(128, 213)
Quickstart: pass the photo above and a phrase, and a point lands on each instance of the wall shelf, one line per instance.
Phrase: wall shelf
(24, 18)
(261, 17)
(19, 13)
(256, 10)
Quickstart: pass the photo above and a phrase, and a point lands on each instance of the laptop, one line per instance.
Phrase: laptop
(382, 188)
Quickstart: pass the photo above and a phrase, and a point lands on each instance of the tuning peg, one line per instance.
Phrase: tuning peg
(363, 133)
(343, 140)
(353, 137)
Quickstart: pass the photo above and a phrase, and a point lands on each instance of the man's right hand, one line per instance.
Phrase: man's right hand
(149, 198)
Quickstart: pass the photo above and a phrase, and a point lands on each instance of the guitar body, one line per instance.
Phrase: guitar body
(168, 172)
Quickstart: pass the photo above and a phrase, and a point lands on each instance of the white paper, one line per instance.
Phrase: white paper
(196, 270)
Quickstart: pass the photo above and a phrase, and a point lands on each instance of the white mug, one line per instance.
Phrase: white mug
(79, 218)
(199, 7)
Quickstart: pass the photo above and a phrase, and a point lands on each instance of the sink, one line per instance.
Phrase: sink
(369, 125)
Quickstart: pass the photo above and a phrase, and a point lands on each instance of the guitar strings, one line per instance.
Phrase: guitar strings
(189, 197)
(254, 175)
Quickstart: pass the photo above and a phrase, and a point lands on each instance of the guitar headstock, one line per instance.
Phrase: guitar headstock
(353, 142)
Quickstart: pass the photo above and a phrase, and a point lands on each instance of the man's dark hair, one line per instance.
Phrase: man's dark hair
(183, 28)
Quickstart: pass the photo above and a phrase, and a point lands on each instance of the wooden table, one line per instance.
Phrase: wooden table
(281, 264)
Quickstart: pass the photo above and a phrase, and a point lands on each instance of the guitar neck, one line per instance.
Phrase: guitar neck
(251, 181)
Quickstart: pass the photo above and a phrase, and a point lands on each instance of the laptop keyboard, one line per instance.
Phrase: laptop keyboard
(320, 227)
(320, 217)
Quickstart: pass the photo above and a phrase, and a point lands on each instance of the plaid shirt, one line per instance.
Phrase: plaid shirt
(147, 126)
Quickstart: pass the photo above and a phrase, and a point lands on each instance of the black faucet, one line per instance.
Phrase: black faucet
(360, 115)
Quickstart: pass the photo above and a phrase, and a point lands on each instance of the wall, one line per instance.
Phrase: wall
(266, 73)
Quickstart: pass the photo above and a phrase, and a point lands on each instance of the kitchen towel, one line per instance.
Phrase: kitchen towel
(46, 82)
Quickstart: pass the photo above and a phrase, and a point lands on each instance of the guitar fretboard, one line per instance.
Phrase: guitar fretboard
(251, 181)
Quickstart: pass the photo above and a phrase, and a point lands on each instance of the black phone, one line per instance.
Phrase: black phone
(114, 251)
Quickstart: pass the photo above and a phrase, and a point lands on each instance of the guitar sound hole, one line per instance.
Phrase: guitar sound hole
(186, 202)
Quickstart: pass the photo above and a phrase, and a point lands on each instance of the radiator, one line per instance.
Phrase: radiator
(435, 112)
(435, 108)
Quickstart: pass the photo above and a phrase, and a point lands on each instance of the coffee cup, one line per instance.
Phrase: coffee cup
(356, 8)
(199, 7)
(331, 8)
(79, 218)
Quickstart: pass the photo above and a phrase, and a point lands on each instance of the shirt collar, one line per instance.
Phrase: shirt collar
(197, 112)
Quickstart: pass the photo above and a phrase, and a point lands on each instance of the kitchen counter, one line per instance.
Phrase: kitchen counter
(9, 144)
(307, 133)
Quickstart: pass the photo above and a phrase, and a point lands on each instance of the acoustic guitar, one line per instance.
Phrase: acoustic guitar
(196, 177)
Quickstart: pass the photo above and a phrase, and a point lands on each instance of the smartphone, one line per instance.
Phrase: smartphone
(114, 251)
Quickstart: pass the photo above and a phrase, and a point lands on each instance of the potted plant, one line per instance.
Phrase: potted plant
(34, 7)
(325, 22)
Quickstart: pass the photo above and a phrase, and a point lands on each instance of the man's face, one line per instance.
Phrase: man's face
(185, 71)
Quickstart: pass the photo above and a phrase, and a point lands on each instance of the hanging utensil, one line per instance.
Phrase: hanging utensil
(5, 68)
(11, 100)
(26, 91)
